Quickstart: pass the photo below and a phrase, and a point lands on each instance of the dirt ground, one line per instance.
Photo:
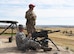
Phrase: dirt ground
(11, 48)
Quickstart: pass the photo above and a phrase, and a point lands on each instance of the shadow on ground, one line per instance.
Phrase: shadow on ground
(15, 50)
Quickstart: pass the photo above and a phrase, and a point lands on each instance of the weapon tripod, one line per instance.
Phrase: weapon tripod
(43, 34)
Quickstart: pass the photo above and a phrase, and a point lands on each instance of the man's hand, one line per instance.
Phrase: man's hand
(29, 35)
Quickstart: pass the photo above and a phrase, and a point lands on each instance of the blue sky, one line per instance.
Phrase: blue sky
(49, 12)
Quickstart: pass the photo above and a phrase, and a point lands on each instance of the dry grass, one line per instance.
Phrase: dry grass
(63, 39)
(59, 38)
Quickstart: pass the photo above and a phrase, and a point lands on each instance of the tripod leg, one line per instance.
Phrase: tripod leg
(5, 29)
(54, 44)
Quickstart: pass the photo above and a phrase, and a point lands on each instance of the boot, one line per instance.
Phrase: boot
(47, 49)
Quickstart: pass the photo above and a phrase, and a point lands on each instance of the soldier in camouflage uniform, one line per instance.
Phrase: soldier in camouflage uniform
(31, 19)
(24, 43)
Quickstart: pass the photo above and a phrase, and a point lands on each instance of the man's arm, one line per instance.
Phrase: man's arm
(26, 15)
(20, 37)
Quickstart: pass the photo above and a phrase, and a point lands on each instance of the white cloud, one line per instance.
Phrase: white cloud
(53, 2)
(39, 2)
(56, 21)
(13, 12)
(48, 15)
(45, 13)
(12, 1)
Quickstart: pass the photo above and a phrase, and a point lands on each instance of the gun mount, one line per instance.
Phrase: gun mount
(12, 23)
(43, 34)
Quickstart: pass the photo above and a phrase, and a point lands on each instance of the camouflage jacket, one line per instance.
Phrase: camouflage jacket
(30, 15)
(21, 40)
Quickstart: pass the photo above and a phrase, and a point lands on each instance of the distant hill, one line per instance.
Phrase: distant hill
(45, 26)
(53, 26)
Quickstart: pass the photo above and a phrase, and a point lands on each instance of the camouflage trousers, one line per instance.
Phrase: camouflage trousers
(30, 43)
(34, 44)
(30, 28)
